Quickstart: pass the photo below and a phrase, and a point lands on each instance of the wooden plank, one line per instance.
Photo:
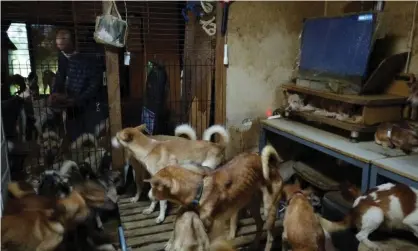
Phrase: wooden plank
(406, 166)
(384, 99)
(140, 216)
(113, 94)
(361, 151)
(247, 230)
(309, 116)
(373, 115)
(220, 71)
(145, 223)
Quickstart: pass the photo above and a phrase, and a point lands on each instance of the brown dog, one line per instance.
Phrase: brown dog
(221, 194)
(189, 235)
(156, 155)
(402, 135)
(301, 228)
(42, 227)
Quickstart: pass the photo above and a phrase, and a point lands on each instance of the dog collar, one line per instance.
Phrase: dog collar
(196, 200)
(298, 192)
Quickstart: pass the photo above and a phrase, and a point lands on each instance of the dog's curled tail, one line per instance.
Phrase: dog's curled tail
(221, 245)
(267, 154)
(66, 167)
(207, 134)
(83, 138)
(337, 226)
(187, 130)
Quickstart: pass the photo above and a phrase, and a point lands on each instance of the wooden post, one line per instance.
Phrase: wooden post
(220, 71)
(113, 96)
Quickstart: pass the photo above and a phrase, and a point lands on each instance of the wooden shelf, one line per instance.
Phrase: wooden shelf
(309, 116)
(366, 100)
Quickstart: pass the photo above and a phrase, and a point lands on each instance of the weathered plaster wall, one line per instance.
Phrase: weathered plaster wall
(263, 45)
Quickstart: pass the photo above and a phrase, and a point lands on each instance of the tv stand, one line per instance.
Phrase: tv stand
(374, 109)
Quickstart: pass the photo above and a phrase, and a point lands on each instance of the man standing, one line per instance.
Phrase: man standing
(79, 86)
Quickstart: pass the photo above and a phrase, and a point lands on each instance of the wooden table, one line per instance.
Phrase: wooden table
(358, 154)
(403, 169)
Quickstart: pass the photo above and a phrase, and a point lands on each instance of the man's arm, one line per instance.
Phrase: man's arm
(94, 81)
(59, 85)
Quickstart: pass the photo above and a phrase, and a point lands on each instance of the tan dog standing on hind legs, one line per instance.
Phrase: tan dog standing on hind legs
(222, 193)
(156, 155)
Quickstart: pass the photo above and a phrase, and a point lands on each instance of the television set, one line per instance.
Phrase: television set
(337, 49)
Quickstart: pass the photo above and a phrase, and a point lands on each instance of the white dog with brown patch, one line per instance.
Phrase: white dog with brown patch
(156, 155)
(386, 207)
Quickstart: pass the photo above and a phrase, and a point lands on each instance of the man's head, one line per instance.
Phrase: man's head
(65, 40)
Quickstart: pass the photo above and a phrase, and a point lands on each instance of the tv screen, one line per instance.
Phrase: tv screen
(337, 47)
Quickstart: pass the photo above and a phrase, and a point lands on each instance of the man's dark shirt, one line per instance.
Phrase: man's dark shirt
(85, 76)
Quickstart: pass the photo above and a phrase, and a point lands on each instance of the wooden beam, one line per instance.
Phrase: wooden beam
(113, 96)
(220, 71)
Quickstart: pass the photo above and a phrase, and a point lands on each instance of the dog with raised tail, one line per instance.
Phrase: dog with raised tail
(220, 194)
(187, 130)
(386, 207)
(156, 155)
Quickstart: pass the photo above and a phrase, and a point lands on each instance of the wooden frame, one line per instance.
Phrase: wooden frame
(220, 71)
(113, 95)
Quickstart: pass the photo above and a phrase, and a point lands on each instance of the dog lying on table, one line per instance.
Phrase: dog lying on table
(222, 193)
(156, 155)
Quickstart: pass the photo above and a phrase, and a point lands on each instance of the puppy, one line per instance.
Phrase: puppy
(301, 228)
(189, 235)
(222, 193)
(155, 155)
(385, 207)
(41, 226)
(401, 135)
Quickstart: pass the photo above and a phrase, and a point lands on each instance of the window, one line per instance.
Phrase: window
(19, 60)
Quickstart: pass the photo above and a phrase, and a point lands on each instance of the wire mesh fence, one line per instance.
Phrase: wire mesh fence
(169, 79)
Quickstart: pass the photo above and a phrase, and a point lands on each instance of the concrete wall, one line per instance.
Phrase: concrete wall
(263, 45)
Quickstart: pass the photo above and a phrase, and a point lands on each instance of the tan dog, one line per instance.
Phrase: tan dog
(42, 227)
(189, 235)
(156, 155)
(301, 228)
(222, 193)
(182, 132)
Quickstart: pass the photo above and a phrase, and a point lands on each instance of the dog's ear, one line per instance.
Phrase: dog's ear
(126, 136)
(141, 128)
(175, 186)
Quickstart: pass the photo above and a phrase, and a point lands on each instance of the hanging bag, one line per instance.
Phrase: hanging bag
(110, 29)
